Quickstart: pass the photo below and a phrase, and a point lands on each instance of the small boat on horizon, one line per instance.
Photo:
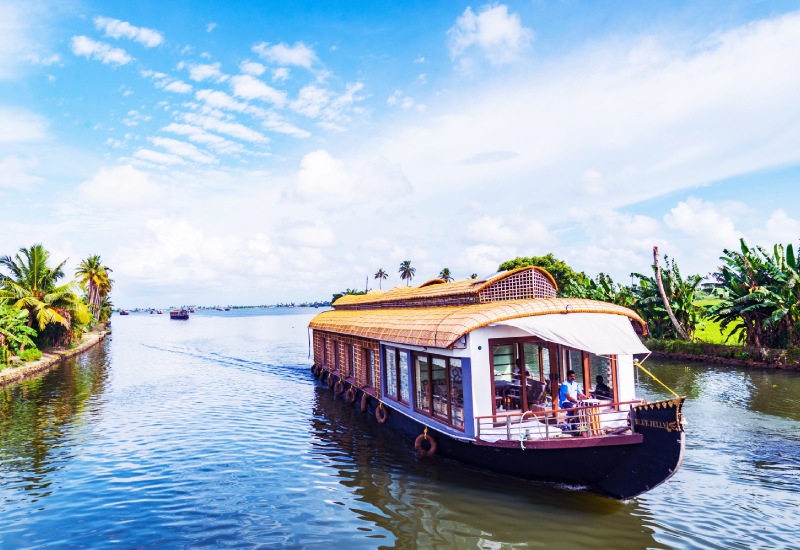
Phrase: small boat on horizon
(471, 370)
(180, 314)
(124, 312)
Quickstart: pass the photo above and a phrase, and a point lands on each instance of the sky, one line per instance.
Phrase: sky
(247, 153)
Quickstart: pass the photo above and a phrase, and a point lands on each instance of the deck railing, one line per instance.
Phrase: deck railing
(589, 419)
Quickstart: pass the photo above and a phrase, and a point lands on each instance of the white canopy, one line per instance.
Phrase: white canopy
(601, 334)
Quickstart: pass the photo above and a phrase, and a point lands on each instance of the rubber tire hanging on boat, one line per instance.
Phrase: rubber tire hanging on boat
(330, 379)
(364, 402)
(316, 371)
(350, 395)
(381, 414)
(432, 446)
(338, 388)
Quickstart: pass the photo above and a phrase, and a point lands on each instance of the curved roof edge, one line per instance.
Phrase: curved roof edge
(441, 327)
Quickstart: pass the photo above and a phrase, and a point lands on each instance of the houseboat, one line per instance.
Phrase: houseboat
(471, 370)
(180, 314)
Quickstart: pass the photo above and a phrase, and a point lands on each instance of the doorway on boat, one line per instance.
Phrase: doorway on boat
(520, 369)
(595, 374)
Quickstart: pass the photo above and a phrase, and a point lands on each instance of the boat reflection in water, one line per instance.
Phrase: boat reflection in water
(424, 503)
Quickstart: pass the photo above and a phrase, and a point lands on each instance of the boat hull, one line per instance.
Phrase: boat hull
(618, 466)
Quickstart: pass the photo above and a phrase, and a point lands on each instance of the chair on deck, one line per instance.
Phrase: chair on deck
(535, 392)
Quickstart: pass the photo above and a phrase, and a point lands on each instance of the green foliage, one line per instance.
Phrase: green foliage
(682, 295)
(14, 330)
(93, 277)
(445, 275)
(381, 275)
(338, 295)
(406, 271)
(602, 288)
(561, 272)
(30, 354)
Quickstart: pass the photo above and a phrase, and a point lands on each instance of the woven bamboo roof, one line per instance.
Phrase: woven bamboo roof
(441, 327)
(436, 289)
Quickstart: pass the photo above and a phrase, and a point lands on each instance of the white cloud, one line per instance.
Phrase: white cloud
(179, 87)
(283, 54)
(208, 71)
(122, 29)
(134, 118)
(86, 47)
(320, 103)
(323, 178)
(399, 99)
(36, 59)
(703, 221)
(249, 87)
(498, 34)
(120, 186)
(509, 230)
(20, 126)
(318, 235)
(232, 129)
(280, 74)
(157, 157)
(183, 149)
(780, 228)
(220, 100)
(211, 26)
(252, 68)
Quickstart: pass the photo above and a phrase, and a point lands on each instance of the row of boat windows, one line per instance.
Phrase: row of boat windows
(437, 384)
(350, 361)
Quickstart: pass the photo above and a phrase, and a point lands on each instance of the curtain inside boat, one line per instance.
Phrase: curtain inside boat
(596, 333)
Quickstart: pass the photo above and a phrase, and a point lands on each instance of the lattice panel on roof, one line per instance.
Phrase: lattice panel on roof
(519, 286)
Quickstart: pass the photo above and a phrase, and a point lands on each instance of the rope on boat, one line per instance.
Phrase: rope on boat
(653, 376)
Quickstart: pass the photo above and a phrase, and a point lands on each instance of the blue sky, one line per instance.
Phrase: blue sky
(259, 152)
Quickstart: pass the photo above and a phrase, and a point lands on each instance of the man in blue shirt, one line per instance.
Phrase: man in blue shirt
(569, 393)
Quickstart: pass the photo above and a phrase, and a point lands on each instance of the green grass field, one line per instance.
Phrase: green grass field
(709, 331)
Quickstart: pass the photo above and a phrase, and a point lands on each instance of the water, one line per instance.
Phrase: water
(212, 433)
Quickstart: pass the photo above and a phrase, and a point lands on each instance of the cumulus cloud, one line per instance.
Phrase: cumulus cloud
(705, 221)
(253, 68)
(179, 87)
(283, 54)
(120, 186)
(249, 87)
(780, 228)
(280, 74)
(202, 72)
(122, 29)
(106, 54)
(15, 172)
(498, 34)
(399, 99)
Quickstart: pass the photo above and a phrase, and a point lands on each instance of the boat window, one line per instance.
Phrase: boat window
(504, 357)
(439, 388)
(369, 362)
(336, 361)
(325, 351)
(423, 382)
(403, 367)
(391, 372)
(575, 359)
(600, 366)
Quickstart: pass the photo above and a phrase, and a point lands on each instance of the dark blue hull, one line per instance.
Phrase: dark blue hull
(619, 466)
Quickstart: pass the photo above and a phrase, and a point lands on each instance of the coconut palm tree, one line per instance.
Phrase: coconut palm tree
(406, 271)
(445, 275)
(32, 287)
(381, 275)
(93, 276)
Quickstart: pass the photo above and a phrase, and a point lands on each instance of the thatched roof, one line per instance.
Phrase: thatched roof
(516, 284)
(442, 326)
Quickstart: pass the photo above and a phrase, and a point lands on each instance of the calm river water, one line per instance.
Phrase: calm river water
(211, 432)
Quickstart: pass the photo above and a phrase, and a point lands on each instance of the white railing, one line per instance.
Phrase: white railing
(588, 419)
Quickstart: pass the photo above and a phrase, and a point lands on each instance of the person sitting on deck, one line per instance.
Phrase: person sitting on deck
(601, 389)
(568, 395)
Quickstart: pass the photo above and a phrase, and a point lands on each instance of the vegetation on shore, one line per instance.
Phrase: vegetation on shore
(37, 312)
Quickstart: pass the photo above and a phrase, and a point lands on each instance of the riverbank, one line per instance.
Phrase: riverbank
(20, 371)
(734, 356)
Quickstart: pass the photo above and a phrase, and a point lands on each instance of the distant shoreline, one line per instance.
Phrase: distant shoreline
(22, 371)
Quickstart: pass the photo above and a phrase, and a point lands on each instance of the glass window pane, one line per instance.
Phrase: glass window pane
(600, 367)
(391, 373)
(439, 382)
(422, 382)
(456, 393)
(404, 393)
(370, 365)
(503, 359)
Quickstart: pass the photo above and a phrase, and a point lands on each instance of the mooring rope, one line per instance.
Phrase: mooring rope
(653, 376)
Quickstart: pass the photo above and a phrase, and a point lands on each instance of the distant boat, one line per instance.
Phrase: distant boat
(191, 310)
(227, 309)
(220, 309)
(180, 314)
(159, 312)
(124, 312)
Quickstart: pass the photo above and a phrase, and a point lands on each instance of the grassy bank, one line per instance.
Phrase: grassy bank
(726, 354)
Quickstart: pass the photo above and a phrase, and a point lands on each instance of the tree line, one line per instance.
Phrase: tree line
(754, 295)
(38, 311)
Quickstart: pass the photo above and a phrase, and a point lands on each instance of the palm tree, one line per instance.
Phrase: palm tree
(445, 275)
(473, 276)
(381, 275)
(32, 287)
(93, 275)
(406, 271)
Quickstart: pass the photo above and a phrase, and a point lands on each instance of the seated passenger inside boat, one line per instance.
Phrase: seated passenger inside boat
(601, 389)
(569, 393)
